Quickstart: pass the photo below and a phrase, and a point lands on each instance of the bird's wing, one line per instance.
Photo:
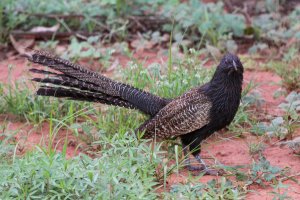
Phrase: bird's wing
(185, 114)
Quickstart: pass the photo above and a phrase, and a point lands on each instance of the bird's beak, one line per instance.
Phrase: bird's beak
(234, 65)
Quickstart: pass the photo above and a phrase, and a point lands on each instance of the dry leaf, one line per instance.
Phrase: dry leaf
(21, 45)
(41, 29)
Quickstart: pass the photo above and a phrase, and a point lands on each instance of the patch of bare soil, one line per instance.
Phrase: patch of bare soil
(12, 69)
(28, 137)
(267, 84)
(235, 152)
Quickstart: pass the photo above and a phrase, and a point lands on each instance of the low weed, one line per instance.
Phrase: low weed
(284, 126)
(215, 189)
(18, 99)
(256, 148)
(262, 172)
(7, 142)
(289, 71)
(126, 168)
(169, 82)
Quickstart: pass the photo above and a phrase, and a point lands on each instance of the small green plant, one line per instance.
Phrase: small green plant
(214, 189)
(280, 191)
(125, 171)
(22, 102)
(256, 148)
(49, 45)
(282, 127)
(262, 172)
(206, 22)
(7, 141)
(288, 71)
(9, 20)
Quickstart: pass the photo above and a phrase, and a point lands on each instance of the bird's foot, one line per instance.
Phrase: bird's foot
(203, 167)
(194, 168)
(209, 171)
(213, 172)
(190, 167)
(205, 170)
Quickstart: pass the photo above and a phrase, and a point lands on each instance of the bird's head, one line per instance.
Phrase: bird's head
(230, 64)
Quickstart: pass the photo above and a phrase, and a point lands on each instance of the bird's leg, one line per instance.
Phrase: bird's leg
(205, 169)
(187, 161)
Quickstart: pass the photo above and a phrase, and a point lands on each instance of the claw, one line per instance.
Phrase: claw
(212, 172)
(202, 168)
(188, 162)
(193, 168)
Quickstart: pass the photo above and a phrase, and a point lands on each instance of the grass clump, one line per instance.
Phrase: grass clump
(214, 189)
(166, 80)
(256, 148)
(263, 173)
(289, 71)
(19, 100)
(126, 169)
(7, 142)
(282, 127)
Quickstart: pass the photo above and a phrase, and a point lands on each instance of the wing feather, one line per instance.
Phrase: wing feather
(185, 114)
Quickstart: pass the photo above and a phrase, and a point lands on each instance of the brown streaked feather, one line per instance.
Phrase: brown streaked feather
(185, 114)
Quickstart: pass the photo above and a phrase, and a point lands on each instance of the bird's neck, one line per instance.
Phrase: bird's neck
(225, 92)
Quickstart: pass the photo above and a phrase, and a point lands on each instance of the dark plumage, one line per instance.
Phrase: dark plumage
(193, 116)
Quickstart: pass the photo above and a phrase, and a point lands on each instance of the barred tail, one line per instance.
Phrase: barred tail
(83, 84)
(82, 96)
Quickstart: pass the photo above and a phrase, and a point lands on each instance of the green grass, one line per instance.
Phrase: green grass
(289, 72)
(112, 20)
(223, 189)
(19, 100)
(126, 169)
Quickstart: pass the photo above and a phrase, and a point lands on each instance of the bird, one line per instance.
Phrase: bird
(192, 116)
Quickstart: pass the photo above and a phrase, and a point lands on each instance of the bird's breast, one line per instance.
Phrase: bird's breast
(224, 108)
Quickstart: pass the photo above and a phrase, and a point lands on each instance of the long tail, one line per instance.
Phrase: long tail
(78, 83)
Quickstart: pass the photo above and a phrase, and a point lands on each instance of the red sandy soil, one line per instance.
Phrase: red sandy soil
(268, 83)
(29, 136)
(13, 68)
(233, 151)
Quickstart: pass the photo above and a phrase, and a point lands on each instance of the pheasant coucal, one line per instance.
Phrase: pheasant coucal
(193, 116)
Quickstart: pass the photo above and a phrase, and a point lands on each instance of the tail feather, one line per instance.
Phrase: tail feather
(68, 82)
(39, 71)
(74, 75)
(74, 94)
